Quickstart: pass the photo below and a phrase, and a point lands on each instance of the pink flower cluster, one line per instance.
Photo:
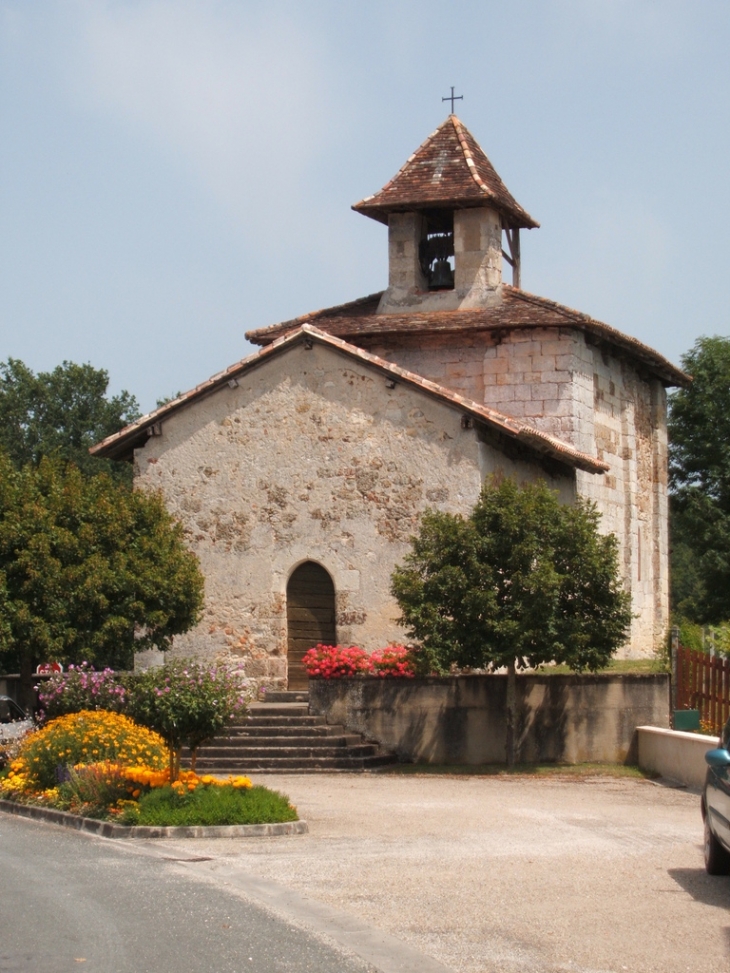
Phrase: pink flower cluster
(342, 662)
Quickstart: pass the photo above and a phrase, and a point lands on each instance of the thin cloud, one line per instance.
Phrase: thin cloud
(227, 88)
(621, 266)
(641, 29)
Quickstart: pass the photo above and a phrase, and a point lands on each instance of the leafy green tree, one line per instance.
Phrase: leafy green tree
(61, 413)
(523, 581)
(699, 468)
(89, 570)
(187, 703)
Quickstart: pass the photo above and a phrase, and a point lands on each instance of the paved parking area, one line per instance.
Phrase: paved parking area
(503, 874)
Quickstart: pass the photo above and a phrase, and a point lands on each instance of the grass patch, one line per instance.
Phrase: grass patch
(521, 770)
(210, 806)
(615, 667)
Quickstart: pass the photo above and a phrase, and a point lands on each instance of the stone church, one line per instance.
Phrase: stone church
(300, 472)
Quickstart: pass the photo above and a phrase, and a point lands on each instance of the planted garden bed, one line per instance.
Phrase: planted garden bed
(103, 766)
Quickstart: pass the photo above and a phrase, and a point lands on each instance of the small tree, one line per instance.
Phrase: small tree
(187, 703)
(89, 570)
(523, 581)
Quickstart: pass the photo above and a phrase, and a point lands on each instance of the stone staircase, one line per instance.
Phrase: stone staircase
(280, 736)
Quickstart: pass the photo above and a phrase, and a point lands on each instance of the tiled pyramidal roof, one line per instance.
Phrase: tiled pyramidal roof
(448, 170)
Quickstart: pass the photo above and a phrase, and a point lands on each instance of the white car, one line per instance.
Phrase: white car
(14, 723)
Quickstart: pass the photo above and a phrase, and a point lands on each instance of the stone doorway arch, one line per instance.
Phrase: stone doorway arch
(310, 617)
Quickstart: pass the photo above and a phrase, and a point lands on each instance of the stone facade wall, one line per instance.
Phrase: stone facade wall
(454, 361)
(605, 405)
(597, 401)
(477, 255)
(311, 457)
(630, 435)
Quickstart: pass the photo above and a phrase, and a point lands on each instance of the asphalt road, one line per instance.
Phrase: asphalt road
(396, 875)
(69, 902)
(499, 875)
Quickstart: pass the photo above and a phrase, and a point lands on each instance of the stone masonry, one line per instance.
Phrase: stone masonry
(600, 403)
(330, 442)
(313, 458)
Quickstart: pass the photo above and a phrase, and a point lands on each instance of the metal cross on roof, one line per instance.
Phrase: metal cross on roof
(452, 98)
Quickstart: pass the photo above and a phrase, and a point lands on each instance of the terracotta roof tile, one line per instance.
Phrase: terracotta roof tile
(517, 309)
(121, 444)
(448, 170)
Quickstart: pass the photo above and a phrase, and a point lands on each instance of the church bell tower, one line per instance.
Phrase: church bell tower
(446, 212)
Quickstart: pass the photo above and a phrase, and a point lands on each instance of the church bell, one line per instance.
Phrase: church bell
(442, 276)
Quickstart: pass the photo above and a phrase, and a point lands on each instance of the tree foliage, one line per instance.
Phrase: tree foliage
(89, 570)
(187, 703)
(524, 580)
(61, 413)
(699, 468)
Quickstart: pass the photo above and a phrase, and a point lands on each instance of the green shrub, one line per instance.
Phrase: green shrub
(690, 634)
(210, 806)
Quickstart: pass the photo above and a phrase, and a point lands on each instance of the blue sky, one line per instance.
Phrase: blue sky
(176, 172)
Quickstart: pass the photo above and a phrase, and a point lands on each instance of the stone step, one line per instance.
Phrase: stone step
(283, 730)
(317, 743)
(280, 736)
(279, 709)
(249, 753)
(274, 719)
(291, 764)
(286, 696)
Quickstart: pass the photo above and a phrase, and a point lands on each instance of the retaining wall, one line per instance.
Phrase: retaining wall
(675, 754)
(460, 719)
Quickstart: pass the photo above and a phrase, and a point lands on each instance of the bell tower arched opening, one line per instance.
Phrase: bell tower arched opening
(310, 617)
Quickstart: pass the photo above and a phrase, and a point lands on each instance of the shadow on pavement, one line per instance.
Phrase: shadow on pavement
(710, 889)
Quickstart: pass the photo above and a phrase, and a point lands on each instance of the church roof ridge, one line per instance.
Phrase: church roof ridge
(607, 331)
(448, 169)
(517, 309)
(120, 444)
(521, 430)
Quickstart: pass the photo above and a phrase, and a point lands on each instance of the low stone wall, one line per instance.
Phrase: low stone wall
(675, 754)
(460, 719)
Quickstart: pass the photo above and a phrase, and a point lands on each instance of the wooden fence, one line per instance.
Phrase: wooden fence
(703, 683)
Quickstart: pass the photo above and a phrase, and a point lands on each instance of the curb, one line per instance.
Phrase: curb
(107, 829)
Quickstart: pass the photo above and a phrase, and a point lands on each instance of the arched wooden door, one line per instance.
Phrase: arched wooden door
(310, 617)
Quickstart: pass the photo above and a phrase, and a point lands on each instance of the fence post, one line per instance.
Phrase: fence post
(675, 669)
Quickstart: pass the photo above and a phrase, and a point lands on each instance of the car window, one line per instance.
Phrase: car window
(726, 736)
(10, 711)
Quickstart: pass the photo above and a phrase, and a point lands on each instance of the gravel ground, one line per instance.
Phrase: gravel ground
(504, 874)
